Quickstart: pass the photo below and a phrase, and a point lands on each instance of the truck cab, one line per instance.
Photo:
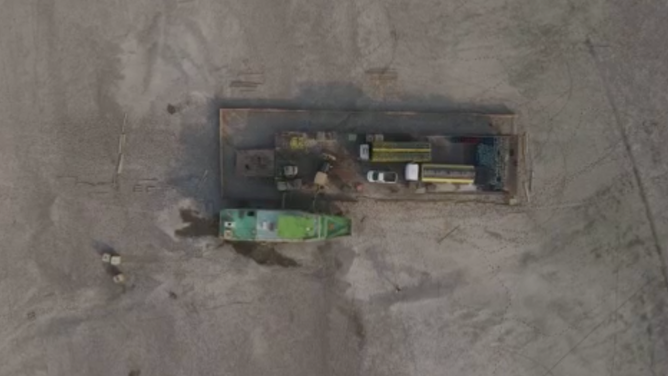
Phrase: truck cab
(412, 172)
(365, 152)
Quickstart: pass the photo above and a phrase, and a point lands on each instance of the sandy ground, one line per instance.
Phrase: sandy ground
(572, 284)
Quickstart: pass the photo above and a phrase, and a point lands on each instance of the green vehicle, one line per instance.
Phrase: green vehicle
(253, 225)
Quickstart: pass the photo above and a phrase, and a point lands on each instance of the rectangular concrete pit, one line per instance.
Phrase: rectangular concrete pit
(340, 132)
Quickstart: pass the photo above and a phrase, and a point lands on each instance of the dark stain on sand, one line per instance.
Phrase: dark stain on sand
(197, 225)
(263, 254)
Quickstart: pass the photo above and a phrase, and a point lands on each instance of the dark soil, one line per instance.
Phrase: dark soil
(263, 254)
(198, 226)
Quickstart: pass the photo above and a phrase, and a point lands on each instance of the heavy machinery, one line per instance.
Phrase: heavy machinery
(289, 180)
(322, 176)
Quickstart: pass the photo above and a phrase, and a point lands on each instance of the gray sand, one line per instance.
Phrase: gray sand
(571, 284)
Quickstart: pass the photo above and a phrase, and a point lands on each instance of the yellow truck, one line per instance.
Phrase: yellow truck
(392, 152)
(440, 173)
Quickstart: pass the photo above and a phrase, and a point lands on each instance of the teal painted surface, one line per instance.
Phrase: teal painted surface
(280, 225)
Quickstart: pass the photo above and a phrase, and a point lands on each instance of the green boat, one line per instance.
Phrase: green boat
(281, 226)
